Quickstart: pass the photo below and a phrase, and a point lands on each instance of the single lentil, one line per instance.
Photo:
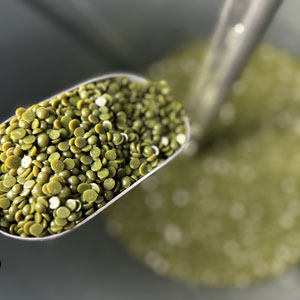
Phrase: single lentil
(126, 182)
(36, 230)
(109, 184)
(9, 181)
(54, 202)
(80, 142)
(71, 204)
(134, 163)
(63, 212)
(103, 173)
(111, 155)
(57, 165)
(18, 133)
(69, 163)
(53, 187)
(89, 195)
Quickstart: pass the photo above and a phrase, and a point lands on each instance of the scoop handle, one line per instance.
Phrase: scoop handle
(241, 25)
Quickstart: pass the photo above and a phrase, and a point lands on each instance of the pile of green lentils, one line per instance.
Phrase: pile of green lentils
(63, 159)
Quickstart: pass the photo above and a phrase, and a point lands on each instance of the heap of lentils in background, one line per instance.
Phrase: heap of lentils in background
(63, 159)
(229, 215)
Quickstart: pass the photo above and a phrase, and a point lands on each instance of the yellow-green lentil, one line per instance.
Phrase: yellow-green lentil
(63, 212)
(29, 184)
(63, 146)
(78, 132)
(112, 171)
(9, 181)
(96, 166)
(143, 169)
(18, 133)
(126, 182)
(134, 163)
(54, 134)
(28, 116)
(109, 184)
(57, 165)
(69, 163)
(111, 155)
(71, 204)
(4, 203)
(29, 139)
(86, 160)
(54, 187)
(42, 113)
(26, 161)
(83, 187)
(80, 142)
(43, 140)
(102, 174)
(54, 156)
(13, 162)
(95, 152)
(36, 230)
(74, 124)
(60, 221)
(89, 195)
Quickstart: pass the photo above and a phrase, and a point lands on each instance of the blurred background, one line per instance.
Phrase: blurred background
(47, 46)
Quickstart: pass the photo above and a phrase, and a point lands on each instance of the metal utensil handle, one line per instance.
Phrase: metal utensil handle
(241, 25)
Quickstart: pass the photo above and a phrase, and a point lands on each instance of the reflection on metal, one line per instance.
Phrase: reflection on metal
(241, 25)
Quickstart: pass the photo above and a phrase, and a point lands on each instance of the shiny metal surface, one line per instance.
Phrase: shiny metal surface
(241, 25)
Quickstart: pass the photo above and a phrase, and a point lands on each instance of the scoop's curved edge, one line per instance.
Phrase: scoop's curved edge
(133, 78)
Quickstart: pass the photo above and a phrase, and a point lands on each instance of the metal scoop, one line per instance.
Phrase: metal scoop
(132, 78)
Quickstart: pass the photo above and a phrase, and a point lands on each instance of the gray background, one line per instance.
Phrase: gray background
(46, 46)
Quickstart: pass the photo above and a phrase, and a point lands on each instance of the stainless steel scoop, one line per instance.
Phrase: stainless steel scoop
(133, 78)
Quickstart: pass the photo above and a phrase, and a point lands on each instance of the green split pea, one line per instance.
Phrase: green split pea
(63, 159)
